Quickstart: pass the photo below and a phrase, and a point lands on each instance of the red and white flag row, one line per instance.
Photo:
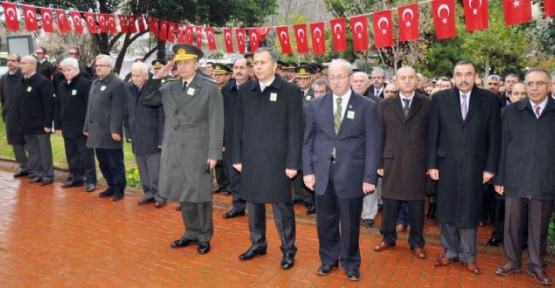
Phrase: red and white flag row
(475, 15)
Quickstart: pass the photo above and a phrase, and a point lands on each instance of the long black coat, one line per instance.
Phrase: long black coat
(105, 113)
(462, 151)
(144, 125)
(404, 148)
(71, 106)
(46, 68)
(527, 160)
(267, 139)
(229, 92)
(36, 105)
(8, 97)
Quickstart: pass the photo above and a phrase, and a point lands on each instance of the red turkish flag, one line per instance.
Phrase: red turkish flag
(318, 38)
(476, 15)
(131, 27)
(254, 38)
(140, 23)
(198, 36)
(444, 18)
(30, 15)
(284, 41)
(211, 38)
(228, 39)
(77, 23)
(123, 23)
(91, 23)
(189, 35)
(359, 28)
(10, 10)
(301, 37)
(408, 22)
(549, 8)
(112, 27)
(47, 20)
(383, 29)
(262, 32)
(163, 30)
(180, 33)
(154, 27)
(517, 11)
(338, 33)
(63, 24)
(102, 23)
(171, 32)
(240, 32)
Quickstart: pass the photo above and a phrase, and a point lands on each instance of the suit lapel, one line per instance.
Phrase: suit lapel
(192, 90)
(414, 106)
(345, 122)
(474, 105)
(454, 100)
(397, 108)
(327, 110)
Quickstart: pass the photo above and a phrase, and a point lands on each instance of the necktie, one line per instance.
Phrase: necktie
(338, 114)
(537, 108)
(184, 85)
(406, 107)
(464, 107)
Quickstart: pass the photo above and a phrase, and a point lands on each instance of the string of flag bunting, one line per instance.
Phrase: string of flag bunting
(475, 15)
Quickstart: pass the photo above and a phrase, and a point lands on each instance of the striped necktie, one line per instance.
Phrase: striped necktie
(338, 115)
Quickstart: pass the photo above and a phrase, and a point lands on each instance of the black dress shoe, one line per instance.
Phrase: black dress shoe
(431, 211)
(203, 248)
(35, 180)
(46, 181)
(180, 243)
(226, 192)
(71, 183)
(288, 261)
(326, 269)
(118, 195)
(90, 187)
(160, 204)
(297, 201)
(380, 207)
(482, 223)
(353, 275)
(252, 252)
(178, 207)
(367, 223)
(217, 190)
(234, 213)
(108, 193)
(493, 241)
(310, 209)
(20, 174)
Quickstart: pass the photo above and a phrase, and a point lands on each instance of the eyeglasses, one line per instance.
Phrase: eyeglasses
(538, 83)
(339, 77)
(102, 65)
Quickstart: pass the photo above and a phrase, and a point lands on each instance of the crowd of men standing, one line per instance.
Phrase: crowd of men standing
(344, 143)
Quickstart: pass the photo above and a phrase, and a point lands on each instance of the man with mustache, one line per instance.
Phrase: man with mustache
(462, 154)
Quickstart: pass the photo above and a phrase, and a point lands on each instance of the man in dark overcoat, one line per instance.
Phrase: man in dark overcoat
(405, 119)
(36, 114)
(9, 99)
(462, 155)
(144, 127)
(104, 126)
(192, 144)
(267, 151)
(341, 150)
(71, 109)
(526, 176)
(241, 73)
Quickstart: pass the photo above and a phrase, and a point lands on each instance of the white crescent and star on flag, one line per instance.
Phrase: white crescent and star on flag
(359, 33)
(383, 20)
(408, 11)
(441, 8)
(318, 34)
(283, 36)
(299, 32)
(474, 9)
(337, 25)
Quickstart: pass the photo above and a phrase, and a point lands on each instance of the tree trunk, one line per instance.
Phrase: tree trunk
(161, 54)
(486, 73)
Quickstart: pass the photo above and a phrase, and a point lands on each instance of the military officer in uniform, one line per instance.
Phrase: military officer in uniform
(193, 139)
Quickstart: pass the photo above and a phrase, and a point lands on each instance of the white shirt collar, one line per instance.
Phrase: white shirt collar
(401, 97)
(344, 102)
(264, 85)
(541, 105)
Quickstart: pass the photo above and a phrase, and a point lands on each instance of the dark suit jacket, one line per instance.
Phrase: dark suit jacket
(71, 106)
(527, 160)
(357, 145)
(462, 151)
(267, 139)
(144, 125)
(229, 92)
(9, 84)
(370, 91)
(36, 105)
(105, 113)
(46, 68)
(404, 148)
